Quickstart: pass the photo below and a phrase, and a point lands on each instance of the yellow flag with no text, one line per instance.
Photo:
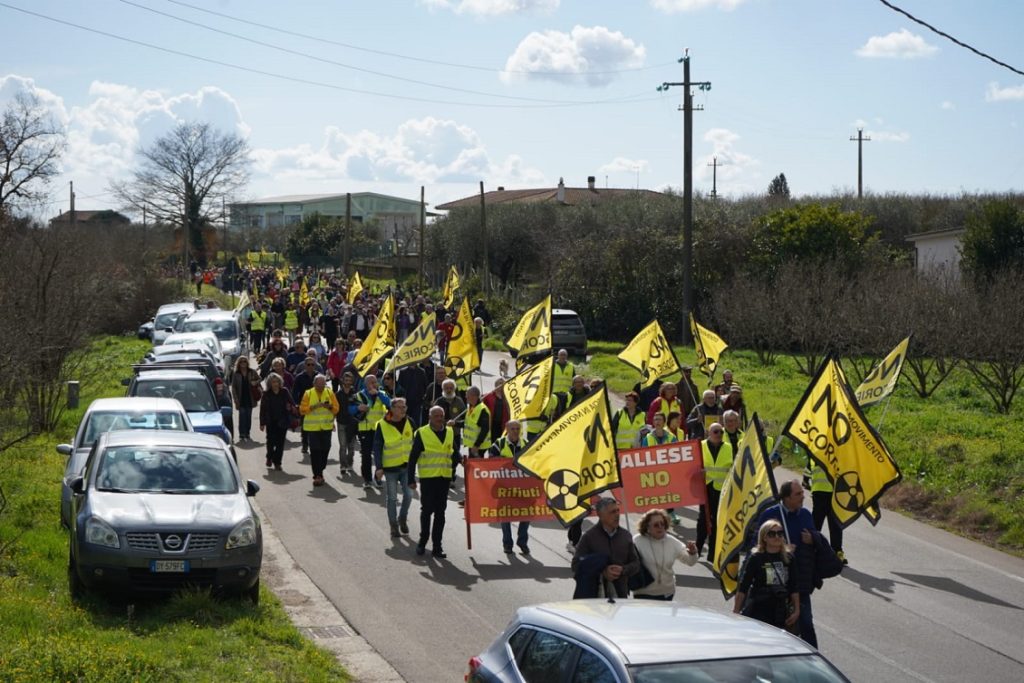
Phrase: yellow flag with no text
(354, 287)
(881, 381)
(651, 354)
(527, 393)
(381, 340)
(829, 424)
(304, 294)
(451, 284)
(533, 331)
(575, 457)
(709, 347)
(748, 490)
(418, 346)
(463, 357)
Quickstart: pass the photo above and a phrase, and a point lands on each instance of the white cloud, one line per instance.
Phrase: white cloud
(995, 93)
(493, 7)
(672, 6)
(900, 44)
(589, 54)
(946, 104)
(624, 165)
(881, 135)
(736, 169)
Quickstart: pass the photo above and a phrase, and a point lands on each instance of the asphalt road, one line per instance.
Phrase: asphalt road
(915, 604)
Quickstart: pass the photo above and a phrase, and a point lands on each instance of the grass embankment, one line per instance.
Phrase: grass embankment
(962, 463)
(46, 637)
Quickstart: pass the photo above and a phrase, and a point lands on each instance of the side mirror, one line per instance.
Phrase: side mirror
(169, 330)
(65, 449)
(126, 381)
(77, 485)
(251, 488)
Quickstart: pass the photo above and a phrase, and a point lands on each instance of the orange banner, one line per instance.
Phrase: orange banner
(498, 491)
(667, 476)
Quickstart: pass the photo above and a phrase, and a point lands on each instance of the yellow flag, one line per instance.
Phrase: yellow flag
(281, 275)
(533, 331)
(243, 301)
(831, 427)
(651, 354)
(527, 392)
(381, 340)
(304, 294)
(748, 490)
(575, 457)
(354, 287)
(451, 283)
(709, 347)
(463, 356)
(881, 381)
(418, 346)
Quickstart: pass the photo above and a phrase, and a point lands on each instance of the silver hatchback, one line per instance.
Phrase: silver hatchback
(156, 511)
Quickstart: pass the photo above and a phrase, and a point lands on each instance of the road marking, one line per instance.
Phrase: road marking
(877, 655)
(967, 558)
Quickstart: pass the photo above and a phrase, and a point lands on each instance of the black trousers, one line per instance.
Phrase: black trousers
(366, 454)
(707, 517)
(433, 501)
(319, 448)
(821, 510)
(275, 444)
(576, 532)
(256, 340)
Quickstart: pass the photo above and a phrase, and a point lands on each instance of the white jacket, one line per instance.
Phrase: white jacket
(659, 556)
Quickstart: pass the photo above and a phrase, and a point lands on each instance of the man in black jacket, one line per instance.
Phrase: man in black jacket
(607, 538)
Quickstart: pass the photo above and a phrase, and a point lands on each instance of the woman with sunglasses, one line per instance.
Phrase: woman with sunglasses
(658, 551)
(767, 586)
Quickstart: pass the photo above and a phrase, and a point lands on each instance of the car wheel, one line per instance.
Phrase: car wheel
(75, 586)
(253, 594)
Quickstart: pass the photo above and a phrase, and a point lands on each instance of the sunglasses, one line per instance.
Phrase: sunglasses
(774, 533)
(716, 431)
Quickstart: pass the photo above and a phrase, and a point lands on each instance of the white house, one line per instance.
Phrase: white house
(938, 250)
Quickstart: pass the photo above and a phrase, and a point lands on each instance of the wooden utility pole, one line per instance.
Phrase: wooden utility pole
(423, 229)
(347, 244)
(72, 191)
(714, 177)
(485, 277)
(860, 140)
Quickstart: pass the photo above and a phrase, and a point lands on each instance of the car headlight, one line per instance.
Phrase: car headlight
(99, 532)
(242, 535)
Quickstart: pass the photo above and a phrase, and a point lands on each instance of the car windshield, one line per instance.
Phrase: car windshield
(802, 668)
(165, 320)
(164, 469)
(225, 330)
(194, 394)
(101, 422)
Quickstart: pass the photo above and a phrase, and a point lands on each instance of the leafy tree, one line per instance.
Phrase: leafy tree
(994, 239)
(778, 187)
(317, 240)
(31, 144)
(812, 232)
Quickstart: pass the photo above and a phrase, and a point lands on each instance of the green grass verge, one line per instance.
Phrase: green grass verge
(189, 637)
(963, 464)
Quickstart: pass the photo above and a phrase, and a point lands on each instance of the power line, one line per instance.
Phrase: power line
(945, 35)
(410, 58)
(321, 84)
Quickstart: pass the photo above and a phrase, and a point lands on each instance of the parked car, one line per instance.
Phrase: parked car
(166, 317)
(567, 332)
(225, 325)
(145, 330)
(156, 511)
(107, 414)
(207, 339)
(192, 353)
(644, 642)
(191, 387)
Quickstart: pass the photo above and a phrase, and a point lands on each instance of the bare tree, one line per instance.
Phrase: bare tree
(994, 339)
(183, 173)
(31, 144)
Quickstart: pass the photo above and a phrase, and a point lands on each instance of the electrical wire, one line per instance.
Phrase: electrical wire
(396, 55)
(632, 99)
(945, 35)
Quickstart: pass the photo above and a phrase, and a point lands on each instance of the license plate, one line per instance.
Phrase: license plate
(169, 566)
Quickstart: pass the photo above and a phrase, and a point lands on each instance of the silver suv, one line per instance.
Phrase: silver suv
(156, 511)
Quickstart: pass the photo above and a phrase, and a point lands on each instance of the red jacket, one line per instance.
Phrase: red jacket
(656, 407)
(489, 401)
(335, 363)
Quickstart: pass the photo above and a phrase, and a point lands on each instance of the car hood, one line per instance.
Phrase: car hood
(130, 510)
(229, 347)
(206, 421)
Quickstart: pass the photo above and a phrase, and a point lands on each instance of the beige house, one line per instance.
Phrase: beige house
(937, 250)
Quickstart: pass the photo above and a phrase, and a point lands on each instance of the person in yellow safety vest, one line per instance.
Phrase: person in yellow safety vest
(476, 434)
(674, 425)
(257, 327)
(733, 435)
(659, 435)
(435, 454)
(563, 372)
(717, 456)
(667, 402)
(392, 444)
(509, 445)
(369, 408)
(291, 322)
(318, 408)
(628, 421)
(821, 507)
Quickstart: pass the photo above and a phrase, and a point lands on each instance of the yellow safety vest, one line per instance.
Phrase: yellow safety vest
(472, 429)
(673, 406)
(819, 480)
(651, 440)
(625, 435)
(436, 458)
(375, 414)
(715, 470)
(318, 419)
(291, 320)
(562, 381)
(259, 321)
(397, 444)
(505, 450)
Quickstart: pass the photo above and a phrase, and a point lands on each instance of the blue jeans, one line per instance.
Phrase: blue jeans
(522, 534)
(807, 621)
(391, 483)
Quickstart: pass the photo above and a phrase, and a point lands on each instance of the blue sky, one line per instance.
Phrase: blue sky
(791, 80)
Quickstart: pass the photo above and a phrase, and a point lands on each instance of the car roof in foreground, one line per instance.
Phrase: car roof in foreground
(211, 314)
(136, 403)
(648, 633)
(155, 437)
(161, 373)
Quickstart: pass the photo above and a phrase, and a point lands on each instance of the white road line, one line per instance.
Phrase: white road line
(876, 654)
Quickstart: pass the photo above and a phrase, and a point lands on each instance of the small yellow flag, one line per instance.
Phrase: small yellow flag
(748, 490)
(451, 284)
(381, 340)
(418, 346)
(882, 379)
(575, 457)
(304, 294)
(533, 331)
(354, 287)
(829, 424)
(527, 392)
(463, 356)
(651, 354)
(709, 347)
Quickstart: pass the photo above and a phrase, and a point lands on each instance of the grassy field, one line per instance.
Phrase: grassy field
(190, 637)
(962, 463)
